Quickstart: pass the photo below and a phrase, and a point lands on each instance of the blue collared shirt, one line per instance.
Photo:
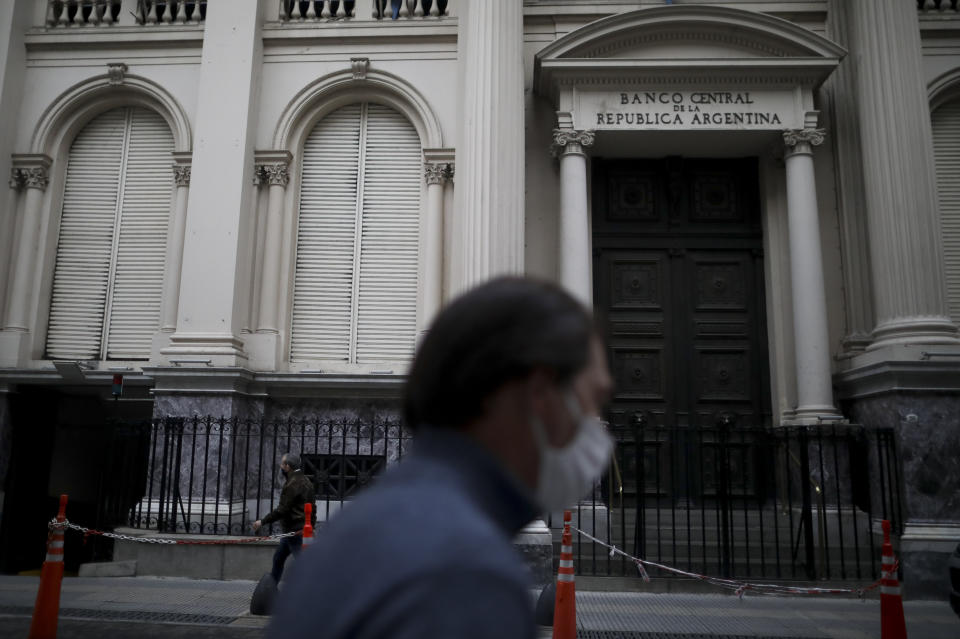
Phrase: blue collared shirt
(424, 553)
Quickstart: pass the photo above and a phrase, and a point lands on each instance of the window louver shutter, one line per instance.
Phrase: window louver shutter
(355, 287)
(387, 309)
(323, 285)
(112, 243)
(946, 144)
(141, 250)
(82, 271)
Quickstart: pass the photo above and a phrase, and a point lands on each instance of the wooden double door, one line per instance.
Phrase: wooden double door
(679, 294)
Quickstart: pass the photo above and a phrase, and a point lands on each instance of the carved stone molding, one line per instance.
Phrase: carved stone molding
(181, 174)
(17, 180)
(273, 174)
(571, 140)
(813, 137)
(437, 172)
(35, 177)
(116, 71)
(359, 66)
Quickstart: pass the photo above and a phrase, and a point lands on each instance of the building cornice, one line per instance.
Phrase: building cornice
(138, 37)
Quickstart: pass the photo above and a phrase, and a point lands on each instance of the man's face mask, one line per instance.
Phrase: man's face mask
(568, 473)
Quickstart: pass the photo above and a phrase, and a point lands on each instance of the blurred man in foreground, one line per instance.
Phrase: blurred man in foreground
(504, 397)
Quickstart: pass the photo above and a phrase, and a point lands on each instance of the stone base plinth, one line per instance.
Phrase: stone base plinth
(535, 543)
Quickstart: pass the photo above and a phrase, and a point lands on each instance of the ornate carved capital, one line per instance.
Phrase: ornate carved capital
(275, 174)
(437, 172)
(35, 177)
(116, 71)
(359, 66)
(17, 180)
(571, 140)
(813, 137)
(181, 174)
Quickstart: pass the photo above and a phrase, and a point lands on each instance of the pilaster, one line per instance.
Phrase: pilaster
(30, 176)
(899, 179)
(273, 171)
(844, 111)
(488, 232)
(209, 314)
(171, 285)
(438, 168)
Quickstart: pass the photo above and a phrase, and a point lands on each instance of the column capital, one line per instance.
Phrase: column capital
(181, 174)
(800, 140)
(275, 174)
(36, 178)
(438, 172)
(30, 170)
(571, 140)
(271, 167)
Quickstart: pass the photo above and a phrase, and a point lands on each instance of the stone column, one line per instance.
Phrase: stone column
(574, 249)
(436, 175)
(812, 340)
(277, 177)
(32, 173)
(899, 178)
(488, 231)
(210, 306)
(171, 285)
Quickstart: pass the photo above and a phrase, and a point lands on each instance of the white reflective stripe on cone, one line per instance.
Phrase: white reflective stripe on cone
(567, 549)
(890, 590)
(566, 563)
(54, 558)
(562, 577)
(56, 544)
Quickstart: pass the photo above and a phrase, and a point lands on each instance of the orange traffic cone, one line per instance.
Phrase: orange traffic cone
(47, 608)
(307, 526)
(892, 623)
(565, 606)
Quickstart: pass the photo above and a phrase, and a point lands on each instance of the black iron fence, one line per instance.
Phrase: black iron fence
(206, 475)
(732, 500)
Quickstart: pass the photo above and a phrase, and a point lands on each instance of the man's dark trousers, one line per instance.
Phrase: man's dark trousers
(288, 546)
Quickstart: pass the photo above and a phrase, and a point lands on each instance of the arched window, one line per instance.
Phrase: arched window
(946, 146)
(109, 269)
(355, 287)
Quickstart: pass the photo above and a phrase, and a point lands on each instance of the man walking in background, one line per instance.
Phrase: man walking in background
(297, 490)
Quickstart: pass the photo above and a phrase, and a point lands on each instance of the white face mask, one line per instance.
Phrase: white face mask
(568, 473)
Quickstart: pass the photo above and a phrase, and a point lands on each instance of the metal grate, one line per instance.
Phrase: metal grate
(620, 634)
(126, 615)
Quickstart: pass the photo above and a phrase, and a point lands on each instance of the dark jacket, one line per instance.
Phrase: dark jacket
(297, 491)
(425, 553)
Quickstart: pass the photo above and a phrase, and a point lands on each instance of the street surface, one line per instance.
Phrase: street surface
(151, 607)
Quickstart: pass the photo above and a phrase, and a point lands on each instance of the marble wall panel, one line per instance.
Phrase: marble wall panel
(928, 438)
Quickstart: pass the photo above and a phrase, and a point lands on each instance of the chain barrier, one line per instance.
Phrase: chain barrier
(88, 532)
(739, 587)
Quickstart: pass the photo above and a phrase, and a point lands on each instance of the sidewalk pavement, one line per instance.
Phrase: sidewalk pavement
(601, 615)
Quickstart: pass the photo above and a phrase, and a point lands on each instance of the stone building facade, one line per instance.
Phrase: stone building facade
(254, 208)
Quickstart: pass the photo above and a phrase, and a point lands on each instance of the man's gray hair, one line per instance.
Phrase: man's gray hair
(292, 459)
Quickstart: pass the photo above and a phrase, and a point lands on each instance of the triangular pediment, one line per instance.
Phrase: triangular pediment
(687, 40)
